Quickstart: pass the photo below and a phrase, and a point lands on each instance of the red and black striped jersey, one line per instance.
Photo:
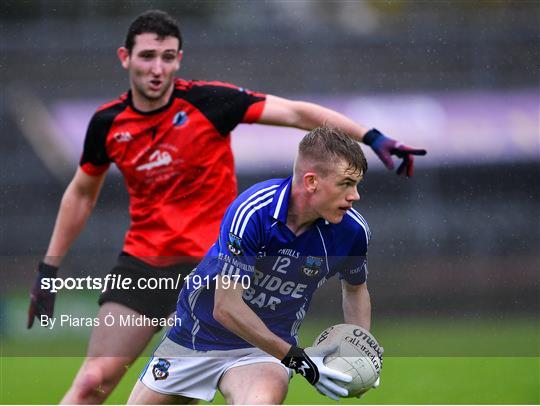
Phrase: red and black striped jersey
(177, 164)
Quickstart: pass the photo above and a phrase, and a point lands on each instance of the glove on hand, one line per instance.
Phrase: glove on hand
(41, 300)
(385, 147)
(316, 373)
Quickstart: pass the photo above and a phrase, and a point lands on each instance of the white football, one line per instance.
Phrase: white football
(358, 354)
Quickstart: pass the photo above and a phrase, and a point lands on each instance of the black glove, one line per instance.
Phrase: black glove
(316, 373)
(41, 300)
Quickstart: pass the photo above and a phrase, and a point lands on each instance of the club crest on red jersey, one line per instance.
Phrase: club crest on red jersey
(180, 118)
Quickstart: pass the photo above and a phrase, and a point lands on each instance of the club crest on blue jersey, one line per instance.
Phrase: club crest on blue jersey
(235, 244)
(180, 118)
(160, 369)
(312, 266)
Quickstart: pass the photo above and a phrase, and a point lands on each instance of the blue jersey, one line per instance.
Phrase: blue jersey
(279, 270)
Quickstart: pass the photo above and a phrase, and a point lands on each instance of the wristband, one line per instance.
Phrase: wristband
(371, 136)
(46, 270)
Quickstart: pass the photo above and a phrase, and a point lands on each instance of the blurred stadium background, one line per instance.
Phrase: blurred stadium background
(454, 259)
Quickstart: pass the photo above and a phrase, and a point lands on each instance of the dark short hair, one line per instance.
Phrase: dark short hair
(325, 146)
(153, 21)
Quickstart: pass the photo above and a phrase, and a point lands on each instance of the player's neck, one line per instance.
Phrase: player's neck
(144, 104)
(299, 215)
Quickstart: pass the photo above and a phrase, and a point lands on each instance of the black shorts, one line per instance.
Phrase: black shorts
(153, 291)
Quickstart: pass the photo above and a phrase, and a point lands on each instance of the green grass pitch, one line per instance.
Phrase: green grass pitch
(426, 362)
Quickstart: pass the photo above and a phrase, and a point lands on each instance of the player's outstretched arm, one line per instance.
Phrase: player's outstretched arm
(356, 304)
(306, 116)
(77, 204)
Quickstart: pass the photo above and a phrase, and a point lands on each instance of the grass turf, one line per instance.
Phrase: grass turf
(405, 380)
(427, 362)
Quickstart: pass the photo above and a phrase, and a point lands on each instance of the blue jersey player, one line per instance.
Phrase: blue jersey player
(241, 308)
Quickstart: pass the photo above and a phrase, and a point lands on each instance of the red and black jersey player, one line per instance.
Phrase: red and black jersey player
(170, 138)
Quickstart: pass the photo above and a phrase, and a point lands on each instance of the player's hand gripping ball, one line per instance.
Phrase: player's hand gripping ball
(358, 354)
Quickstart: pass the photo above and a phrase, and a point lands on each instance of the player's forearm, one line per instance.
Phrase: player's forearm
(357, 306)
(312, 115)
(243, 322)
(75, 209)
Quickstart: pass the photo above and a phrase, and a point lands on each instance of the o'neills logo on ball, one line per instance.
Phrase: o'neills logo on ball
(368, 339)
(161, 369)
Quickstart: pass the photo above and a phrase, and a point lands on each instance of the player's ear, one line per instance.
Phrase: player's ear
(180, 56)
(310, 182)
(123, 55)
